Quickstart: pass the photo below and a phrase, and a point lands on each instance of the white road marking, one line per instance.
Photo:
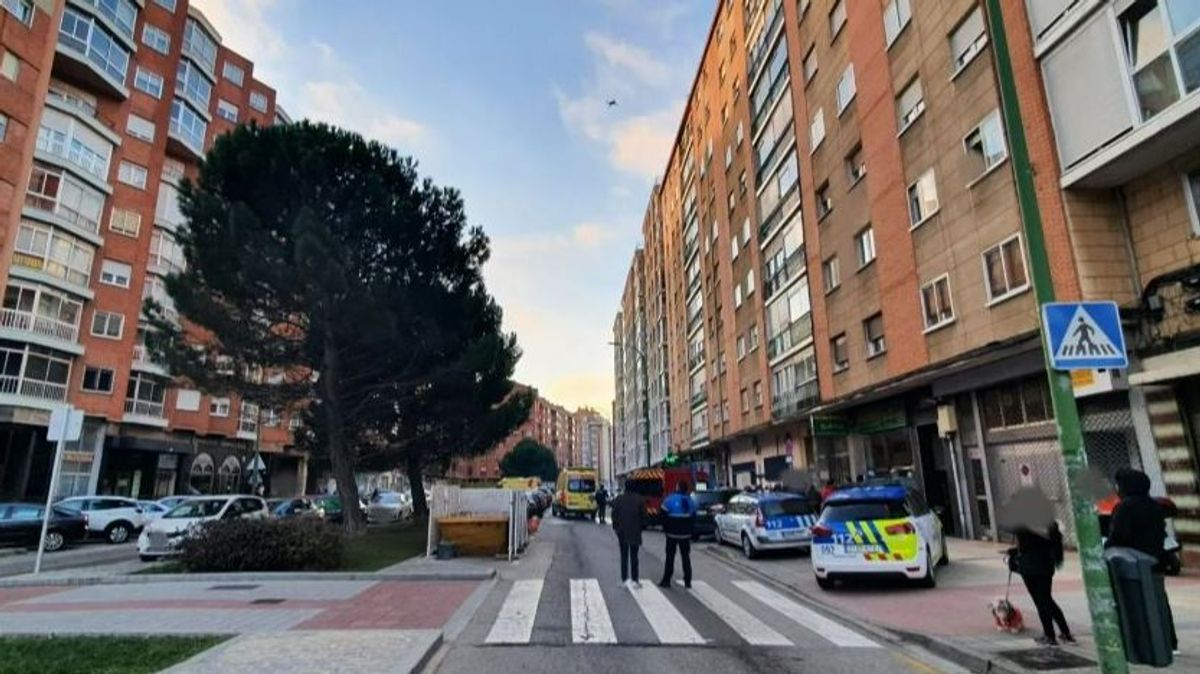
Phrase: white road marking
(514, 625)
(668, 623)
(805, 617)
(590, 623)
(753, 630)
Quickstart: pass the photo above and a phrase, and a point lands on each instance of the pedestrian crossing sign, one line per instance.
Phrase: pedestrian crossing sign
(1084, 335)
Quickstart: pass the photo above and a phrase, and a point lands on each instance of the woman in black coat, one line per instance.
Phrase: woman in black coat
(1038, 555)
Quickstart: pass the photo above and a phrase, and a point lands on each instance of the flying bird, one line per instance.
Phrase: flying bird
(612, 102)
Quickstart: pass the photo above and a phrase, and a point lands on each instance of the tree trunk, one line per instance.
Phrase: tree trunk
(416, 484)
(353, 520)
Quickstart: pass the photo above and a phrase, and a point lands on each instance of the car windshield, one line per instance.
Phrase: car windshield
(72, 506)
(855, 511)
(786, 506)
(389, 497)
(197, 508)
(581, 484)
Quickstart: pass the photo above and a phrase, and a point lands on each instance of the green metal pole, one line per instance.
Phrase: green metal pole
(1105, 629)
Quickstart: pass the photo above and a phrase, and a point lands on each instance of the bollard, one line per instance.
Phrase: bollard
(1142, 608)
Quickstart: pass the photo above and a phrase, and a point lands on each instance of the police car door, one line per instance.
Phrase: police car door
(723, 519)
(927, 524)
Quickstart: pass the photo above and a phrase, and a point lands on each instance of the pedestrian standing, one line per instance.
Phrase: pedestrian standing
(679, 524)
(1139, 522)
(827, 490)
(1038, 554)
(601, 503)
(628, 520)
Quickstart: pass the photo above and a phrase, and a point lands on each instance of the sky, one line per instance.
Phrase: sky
(506, 101)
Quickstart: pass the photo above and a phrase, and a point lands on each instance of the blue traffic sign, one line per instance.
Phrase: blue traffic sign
(1084, 335)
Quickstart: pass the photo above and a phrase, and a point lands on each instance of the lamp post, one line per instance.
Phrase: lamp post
(645, 394)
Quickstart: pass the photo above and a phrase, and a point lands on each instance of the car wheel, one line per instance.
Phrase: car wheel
(825, 583)
(748, 548)
(930, 579)
(54, 541)
(945, 553)
(117, 532)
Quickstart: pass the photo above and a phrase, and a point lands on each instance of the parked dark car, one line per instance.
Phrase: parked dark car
(21, 524)
(705, 500)
(293, 507)
(329, 507)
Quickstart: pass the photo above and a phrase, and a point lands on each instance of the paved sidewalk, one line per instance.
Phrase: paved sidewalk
(955, 617)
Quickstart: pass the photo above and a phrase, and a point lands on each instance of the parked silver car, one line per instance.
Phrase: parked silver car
(389, 506)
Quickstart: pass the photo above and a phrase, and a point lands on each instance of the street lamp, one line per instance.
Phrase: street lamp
(645, 393)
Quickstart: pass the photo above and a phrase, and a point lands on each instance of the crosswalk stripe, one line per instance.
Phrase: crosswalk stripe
(590, 623)
(753, 630)
(668, 623)
(514, 625)
(805, 617)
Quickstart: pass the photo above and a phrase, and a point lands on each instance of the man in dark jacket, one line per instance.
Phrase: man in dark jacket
(601, 503)
(1139, 522)
(679, 524)
(628, 520)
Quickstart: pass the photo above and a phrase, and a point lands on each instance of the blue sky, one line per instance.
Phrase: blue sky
(507, 102)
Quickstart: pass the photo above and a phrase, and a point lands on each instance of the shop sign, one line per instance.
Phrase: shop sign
(881, 418)
(830, 425)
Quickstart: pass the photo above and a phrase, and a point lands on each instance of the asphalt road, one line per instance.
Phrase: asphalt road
(573, 615)
(89, 554)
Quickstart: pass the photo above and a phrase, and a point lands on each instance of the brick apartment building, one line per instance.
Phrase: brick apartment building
(837, 238)
(105, 106)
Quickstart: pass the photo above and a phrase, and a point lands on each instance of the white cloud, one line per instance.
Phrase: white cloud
(642, 144)
(347, 104)
(626, 57)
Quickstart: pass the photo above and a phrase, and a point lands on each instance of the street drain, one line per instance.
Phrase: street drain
(268, 600)
(235, 587)
(1046, 659)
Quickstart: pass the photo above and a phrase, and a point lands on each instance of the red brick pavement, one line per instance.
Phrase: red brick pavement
(395, 606)
(9, 595)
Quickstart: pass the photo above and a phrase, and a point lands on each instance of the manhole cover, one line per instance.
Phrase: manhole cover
(235, 587)
(268, 600)
(1046, 659)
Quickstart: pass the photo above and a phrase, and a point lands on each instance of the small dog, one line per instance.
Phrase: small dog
(1008, 617)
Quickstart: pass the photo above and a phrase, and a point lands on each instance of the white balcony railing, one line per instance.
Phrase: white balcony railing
(25, 321)
(30, 388)
(144, 408)
(43, 203)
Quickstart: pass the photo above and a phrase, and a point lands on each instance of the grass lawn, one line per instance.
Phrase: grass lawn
(98, 655)
(385, 545)
(160, 567)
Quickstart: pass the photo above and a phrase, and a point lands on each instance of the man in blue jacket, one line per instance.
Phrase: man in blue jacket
(679, 523)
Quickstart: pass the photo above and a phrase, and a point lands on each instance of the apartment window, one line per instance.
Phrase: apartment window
(258, 101)
(824, 201)
(227, 110)
(758, 394)
(187, 400)
(864, 245)
(192, 85)
(734, 249)
(10, 66)
(896, 16)
(97, 380)
(199, 44)
(816, 131)
(873, 332)
(746, 232)
(1017, 403)
(754, 337)
(740, 134)
(841, 354)
(168, 5)
(846, 88)
(87, 36)
(985, 144)
(856, 165)
(52, 252)
(188, 125)
(936, 304)
(750, 283)
(810, 65)
(115, 273)
(127, 223)
(922, 199)
(156, 38)
(910, 104)
(968, 39)
(219, 407)
(737, 295)
(140, 128)
(728, 156)
(732, 200)
(831, 274)
(837, 19)
(1004, 268)
(132, 174)
(741, 347)
(745, 401)
(22, 9)
(233, 73)
(1191, 188)
(742, 183)
(148, 81)
(107, 324)
(3, 127)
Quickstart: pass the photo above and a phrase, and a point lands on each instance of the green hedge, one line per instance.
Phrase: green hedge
(299, 544)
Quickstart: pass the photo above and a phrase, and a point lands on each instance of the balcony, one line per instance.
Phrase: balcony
(792, 268)
(773, 221)
(72, 217)
(695, 360)
(90, 53)
(695, 320)
(766, 38)
(143, 360)
(693, 285)
(186, 131)
(699, 436)
(118, 15)
(146, 412)
(31, 388)
(797, 400)
(794, 336)
(62, 335)
(60, 147)
(699, 397)
(689, 248)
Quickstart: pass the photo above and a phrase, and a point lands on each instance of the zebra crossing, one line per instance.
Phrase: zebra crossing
(752, 612)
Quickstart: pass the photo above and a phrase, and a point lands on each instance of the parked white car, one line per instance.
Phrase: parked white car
(152, 510)
(389, 506)
(115, 518)
(765, 521)
(162, 536)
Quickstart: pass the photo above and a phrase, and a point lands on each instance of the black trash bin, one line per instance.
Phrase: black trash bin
(1142, 606)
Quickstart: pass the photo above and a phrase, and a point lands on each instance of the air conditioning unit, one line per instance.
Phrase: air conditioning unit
(947, 421)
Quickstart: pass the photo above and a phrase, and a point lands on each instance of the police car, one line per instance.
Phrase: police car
(764, 521)
(878, 531)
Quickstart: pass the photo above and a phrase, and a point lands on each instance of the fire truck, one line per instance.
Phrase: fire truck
(655, 484)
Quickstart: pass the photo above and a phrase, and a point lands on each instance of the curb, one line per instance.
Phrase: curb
(76, 581)
(963, 657)
(427, 656)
